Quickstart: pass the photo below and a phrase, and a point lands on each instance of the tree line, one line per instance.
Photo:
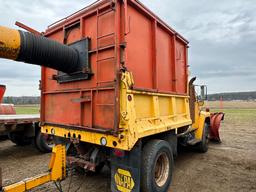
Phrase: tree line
(233, 96)
(24, 100)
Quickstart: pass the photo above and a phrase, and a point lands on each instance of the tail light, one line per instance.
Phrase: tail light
(119, 153)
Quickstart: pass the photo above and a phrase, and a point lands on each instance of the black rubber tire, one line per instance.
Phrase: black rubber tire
(99, 168)
(150, 154)
(19, 139)
(172, 139)
(41, 143)
(202, 147)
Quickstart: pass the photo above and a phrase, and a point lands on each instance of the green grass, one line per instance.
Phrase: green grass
(239, 114)
(27, 109)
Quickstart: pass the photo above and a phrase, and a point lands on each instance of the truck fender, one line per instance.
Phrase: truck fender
(204, 117)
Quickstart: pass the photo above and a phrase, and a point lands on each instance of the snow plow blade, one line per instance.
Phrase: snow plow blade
(216, 119)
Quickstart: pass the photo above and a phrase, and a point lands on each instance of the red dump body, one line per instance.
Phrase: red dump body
(123, 35)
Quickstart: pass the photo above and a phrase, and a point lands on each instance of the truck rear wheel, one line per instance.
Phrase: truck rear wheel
(19, 139)
(157, 166)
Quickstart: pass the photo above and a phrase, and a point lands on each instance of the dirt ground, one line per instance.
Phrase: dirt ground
(226, 167)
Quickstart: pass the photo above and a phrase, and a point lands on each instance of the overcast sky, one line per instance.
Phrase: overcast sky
(222, 37)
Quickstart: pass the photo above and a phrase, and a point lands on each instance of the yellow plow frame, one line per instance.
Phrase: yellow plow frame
(56, 172)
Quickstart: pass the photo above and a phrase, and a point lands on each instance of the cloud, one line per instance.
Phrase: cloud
(222, 37)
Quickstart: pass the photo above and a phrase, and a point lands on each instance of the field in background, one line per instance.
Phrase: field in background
(237, 110)
(27, 109)
(232, 104)
(226, 167)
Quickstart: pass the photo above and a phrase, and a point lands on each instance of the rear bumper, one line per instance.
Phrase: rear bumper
(87, 136)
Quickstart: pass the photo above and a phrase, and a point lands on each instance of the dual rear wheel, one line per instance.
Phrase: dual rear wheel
(157, 166)
(43, 142)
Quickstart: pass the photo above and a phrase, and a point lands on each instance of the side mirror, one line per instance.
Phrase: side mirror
(203, 92)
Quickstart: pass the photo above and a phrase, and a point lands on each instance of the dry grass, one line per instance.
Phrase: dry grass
(232, 104)
(240, 111)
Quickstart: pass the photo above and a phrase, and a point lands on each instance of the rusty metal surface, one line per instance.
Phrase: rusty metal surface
(23, 26)
(74, 161)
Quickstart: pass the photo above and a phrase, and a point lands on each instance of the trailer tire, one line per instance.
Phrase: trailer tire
(19, 139)
(157, 166)
(42, 143)
(202, 147)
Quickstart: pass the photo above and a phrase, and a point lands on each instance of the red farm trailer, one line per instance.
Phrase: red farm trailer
(22, 129)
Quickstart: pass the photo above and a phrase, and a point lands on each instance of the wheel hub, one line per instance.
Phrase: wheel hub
(162, 169)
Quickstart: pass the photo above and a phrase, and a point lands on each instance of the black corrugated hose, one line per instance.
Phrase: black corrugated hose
(42, 51)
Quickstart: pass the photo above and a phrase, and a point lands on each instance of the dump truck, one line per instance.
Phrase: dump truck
(22, 129)
(115, 90)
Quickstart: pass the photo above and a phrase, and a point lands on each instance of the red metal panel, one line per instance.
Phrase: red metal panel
(139, 49)
(73, 34)
(156, 54)
(104, 109)
(181, 67)
(164, 62)
(61, 108)
(85, 103)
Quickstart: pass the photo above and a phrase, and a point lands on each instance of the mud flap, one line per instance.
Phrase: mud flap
(125, 171)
